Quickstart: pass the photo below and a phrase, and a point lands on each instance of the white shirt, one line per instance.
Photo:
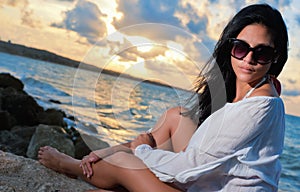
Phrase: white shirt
(235, 149)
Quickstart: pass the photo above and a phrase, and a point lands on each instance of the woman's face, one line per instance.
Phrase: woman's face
(246, 69)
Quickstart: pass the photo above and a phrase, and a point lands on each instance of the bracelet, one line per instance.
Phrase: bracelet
(152, 139)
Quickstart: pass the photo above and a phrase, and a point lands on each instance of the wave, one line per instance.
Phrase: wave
(39, 87)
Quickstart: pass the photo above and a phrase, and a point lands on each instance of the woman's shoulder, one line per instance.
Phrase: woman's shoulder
(268, 89)
(255, 109)
(258, 100)
(257, 103)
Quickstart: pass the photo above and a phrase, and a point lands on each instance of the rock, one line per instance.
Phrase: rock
(25, 132)
(21, 106)
(6, 189)
(52, 136)
(54, 101)
(89, 142)
(4, 148)
(71, 118)
(84, 144)
(52, 117)
(93, 142)
(1, 90)
(81, 149)
(7, 80)
(13, 143)
(6, 120)
(19, 174)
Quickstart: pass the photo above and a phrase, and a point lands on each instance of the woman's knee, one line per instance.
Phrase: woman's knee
(168, 120)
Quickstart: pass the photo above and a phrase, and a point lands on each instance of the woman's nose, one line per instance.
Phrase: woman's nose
(249, 58)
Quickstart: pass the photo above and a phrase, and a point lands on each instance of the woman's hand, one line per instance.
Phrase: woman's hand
(86, 163)
(144, 138)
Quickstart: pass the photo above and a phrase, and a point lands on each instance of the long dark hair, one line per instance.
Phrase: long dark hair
(209, 87)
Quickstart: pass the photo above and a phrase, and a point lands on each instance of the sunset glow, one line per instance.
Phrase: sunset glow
(98, 32)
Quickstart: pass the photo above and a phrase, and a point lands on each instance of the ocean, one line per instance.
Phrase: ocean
(117, 109)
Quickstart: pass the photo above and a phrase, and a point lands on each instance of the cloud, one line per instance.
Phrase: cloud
(198, 25)
(187, 17)
(28, 19)
(206, 19)
(292, 81)
(86, 20)
(133, 53)
(161, 61)
(290, 87)
(169, 73)
(27, 15)
(14, 3)
(166, 66)
(160, 66)
(145, 11)
(180, 50)
(297, 19)
(291, 92)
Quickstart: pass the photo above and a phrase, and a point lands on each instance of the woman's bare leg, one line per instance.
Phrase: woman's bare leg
(130, 172)
(60, 162)
(173, 131)
(119, 169)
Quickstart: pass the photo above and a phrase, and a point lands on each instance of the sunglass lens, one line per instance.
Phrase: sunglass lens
(239, 50)
(264, 54)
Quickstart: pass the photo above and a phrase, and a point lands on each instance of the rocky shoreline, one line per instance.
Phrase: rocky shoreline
(20, 174)
(24, 128)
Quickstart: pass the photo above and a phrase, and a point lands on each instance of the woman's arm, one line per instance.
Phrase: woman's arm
(94, 156)
(144, 138)
(172, 132)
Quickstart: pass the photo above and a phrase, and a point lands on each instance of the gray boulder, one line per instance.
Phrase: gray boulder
(53, 136)
(52, 117)
(25, 132)
(85, 144)
(13, 143)
(21, 106)
(7, 121)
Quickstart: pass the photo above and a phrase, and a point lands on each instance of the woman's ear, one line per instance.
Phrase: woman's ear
(276, 59)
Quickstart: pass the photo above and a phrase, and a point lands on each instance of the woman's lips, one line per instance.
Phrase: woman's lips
(246, 69)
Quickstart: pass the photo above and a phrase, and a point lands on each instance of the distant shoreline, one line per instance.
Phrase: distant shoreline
(43, 55)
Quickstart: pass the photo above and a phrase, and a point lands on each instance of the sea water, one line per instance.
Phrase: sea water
(117, 109)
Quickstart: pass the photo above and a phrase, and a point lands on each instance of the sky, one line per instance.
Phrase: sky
(164, 40)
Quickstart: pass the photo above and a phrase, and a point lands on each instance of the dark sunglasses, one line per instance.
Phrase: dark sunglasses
(262, 54)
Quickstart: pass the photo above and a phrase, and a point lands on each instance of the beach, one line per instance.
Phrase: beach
(89, 107)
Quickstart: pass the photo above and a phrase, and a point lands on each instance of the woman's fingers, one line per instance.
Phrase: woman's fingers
(86, 164)
(89, 168)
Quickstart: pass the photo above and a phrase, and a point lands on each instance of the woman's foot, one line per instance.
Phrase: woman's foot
(55, 160)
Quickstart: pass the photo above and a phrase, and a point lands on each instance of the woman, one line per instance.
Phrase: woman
(238, 142)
